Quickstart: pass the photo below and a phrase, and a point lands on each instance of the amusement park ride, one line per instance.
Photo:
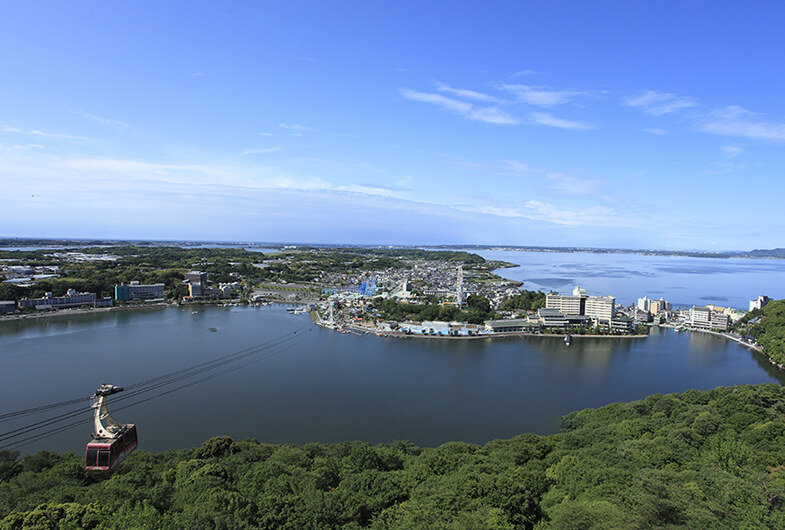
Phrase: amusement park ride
(112, 441)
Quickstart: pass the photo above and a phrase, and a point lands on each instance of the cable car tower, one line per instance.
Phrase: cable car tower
(112, 441)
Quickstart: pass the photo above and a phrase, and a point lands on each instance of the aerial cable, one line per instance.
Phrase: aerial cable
(71, 414)
(246, 353)
(24, 412)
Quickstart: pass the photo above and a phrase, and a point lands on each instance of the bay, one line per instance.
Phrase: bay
(325, 386)
(683, 281)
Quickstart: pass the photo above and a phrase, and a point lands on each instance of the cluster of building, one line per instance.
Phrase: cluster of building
(576, 310)
(199, 288)
(48, 302)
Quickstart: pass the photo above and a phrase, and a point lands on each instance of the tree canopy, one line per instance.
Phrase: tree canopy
(701, 459)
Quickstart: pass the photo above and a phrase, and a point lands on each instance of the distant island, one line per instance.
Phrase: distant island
(771, 253)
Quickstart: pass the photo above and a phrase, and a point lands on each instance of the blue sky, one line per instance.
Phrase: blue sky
(527, 123)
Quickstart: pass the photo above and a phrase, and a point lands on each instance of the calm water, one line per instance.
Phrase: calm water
(680, 280)
(326, 386)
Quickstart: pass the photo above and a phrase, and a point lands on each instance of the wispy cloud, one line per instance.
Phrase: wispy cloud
(260, 151)
(106, 121)
(541, 96)
(492, 115)
(523, 73)
(29, 146)
(296, 127)
(43, 134)
(659, 132)
(445, 103)
(738, 121)
(732, 151)
(659, 103)
(549, 120)
(568, 185)
(466, 94)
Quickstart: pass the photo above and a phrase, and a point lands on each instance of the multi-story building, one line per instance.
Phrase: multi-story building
(700, 317)
(71, 299)
(136, 291)
(706, 318)
(758, 303)
(6, 306)
(644, 304)
(601, 309)
(567, 304)
(196, 277)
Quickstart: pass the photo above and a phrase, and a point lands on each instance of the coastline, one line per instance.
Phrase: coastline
(79, 311)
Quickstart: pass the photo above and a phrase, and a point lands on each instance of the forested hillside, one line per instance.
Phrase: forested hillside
(712, 459)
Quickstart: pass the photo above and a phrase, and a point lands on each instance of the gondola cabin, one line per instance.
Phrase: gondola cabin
(105, 454)
(112, 441)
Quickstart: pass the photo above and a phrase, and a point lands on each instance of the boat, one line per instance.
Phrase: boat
(568, 339)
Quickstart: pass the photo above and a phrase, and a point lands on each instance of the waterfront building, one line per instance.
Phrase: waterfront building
(513, 325)
(643, 304)
(6, 306)
(623, 324)
(568, 304)
(706, 318)
(601, 308)
(759, 302)
(135, 291)
(71, 299)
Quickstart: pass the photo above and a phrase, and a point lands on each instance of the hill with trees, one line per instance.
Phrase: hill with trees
(701, 459)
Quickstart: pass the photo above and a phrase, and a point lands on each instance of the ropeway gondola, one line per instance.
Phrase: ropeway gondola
(112, 441)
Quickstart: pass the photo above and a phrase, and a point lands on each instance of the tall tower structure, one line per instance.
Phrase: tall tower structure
(459, 288)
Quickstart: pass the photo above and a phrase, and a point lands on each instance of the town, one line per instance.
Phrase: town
(390, 292)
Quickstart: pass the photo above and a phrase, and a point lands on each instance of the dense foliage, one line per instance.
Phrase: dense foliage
(767, 325)
(477, 310)
(526, 301)
(712, 459)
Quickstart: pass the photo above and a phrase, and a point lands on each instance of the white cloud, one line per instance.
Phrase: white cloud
(738, 121)
(106, 121)
(444, 102)
(492, 115)
(29, 146)
(732, 151)
(659, 103)
(466, 94)
(515, 166)
(541, 96)
(295, 127)
(36, 132)
(568, 185)
(523, 73)
(658, 132)
(549, 120)
(260, 151)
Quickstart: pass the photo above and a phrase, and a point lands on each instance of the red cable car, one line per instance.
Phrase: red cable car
(112, 441)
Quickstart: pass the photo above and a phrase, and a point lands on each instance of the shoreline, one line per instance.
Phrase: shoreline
(79, 311)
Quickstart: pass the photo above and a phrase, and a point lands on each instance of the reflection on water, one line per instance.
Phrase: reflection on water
(330, 387)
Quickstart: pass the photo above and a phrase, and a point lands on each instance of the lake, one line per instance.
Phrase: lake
(683, 281)
(326, 386)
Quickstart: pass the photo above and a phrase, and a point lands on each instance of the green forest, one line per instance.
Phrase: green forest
(767, 325)
(701, 459)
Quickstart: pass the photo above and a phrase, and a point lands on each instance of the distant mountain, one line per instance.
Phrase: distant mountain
(778, 253)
